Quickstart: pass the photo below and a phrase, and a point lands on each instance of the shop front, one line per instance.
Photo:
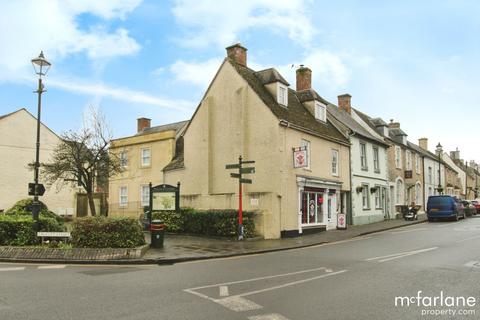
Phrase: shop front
(320, 202)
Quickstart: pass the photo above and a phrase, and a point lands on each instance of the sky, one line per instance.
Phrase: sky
(416, 62)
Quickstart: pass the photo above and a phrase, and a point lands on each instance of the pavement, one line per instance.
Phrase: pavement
(179, 248)
(434, 265)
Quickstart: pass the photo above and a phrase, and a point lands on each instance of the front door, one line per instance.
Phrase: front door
(312, 207)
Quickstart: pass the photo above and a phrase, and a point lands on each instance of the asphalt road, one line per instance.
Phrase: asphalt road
(362, 278)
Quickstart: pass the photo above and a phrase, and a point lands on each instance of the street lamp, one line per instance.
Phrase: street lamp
(41, 67)
(439, 151)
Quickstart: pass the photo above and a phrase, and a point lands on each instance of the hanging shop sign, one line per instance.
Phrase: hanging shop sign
(300, 157)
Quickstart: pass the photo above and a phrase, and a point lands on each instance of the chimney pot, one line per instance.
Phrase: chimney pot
(304, 78)
(394, 125)
(345, 102)
(237, 53)
(143, 123)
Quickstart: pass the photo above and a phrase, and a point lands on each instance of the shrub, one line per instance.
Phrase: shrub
(17, 230)
(222, 223)
(24, 208)
(103, 232)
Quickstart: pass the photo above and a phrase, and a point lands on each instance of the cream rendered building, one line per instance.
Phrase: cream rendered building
(143, 156)
(18, 132)
(256, 115)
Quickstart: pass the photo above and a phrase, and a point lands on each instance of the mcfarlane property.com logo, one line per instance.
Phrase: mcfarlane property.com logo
(439, 305)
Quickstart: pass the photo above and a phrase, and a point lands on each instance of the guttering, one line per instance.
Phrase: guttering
(285, 123)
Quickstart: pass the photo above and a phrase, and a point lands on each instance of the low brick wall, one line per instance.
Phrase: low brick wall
(75, 254)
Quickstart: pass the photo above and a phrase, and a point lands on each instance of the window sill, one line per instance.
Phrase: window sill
(377, 171)
(146, 167)
(365, 169)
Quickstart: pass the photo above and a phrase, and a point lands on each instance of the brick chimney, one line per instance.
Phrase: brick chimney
(345, 102)
(143, 123)
(237, 53)
(304, 78)
(394, 125)
(423, 143)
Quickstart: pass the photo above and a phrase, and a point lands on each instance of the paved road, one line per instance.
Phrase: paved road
(354, 279)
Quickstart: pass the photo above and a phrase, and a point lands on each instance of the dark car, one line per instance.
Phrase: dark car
(444, 207)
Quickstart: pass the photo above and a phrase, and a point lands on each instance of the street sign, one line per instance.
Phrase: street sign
(40, 189)
(246, 181)
(247, 170)
(235, 175)
(248, 161)
(232, 166)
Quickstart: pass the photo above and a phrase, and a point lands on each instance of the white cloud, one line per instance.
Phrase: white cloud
(196, 73)
(121, 94)
(220, 22)
(51, 25)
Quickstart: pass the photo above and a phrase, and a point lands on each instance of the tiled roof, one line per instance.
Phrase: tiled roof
(176, 163)
(166, 127)
(271, 75)
(295, 114)
(351, 124)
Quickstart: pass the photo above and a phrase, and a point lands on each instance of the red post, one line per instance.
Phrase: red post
(240, 209)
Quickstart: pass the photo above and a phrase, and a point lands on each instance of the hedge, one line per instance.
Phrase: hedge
(17, 230)
(103, 232)
(223, 223)
(24, 208)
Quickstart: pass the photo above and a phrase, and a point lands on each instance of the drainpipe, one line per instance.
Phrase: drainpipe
(350, 203)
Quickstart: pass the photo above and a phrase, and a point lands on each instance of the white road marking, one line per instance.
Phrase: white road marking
(472, 264)
(400, 255)
(272, 316)
(12, 269)
(411, 230)
(334, 243)
(238, 304)
(53, 266)
(290, 284)
(256, 279)
(223, 291)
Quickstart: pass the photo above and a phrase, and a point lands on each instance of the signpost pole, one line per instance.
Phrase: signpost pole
(240, 209)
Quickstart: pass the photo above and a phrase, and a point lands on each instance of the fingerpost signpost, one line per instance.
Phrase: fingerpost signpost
(241, 171)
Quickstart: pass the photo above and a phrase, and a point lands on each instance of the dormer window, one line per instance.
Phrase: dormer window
(320, 111)
(282, 94)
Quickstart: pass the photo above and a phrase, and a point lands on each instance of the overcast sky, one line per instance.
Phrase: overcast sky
(413, 61)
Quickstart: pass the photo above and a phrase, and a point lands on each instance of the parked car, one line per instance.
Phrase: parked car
(444, 207)
(476, 203)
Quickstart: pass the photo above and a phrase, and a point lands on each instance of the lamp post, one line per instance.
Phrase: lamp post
(439, 152)
(41, 67)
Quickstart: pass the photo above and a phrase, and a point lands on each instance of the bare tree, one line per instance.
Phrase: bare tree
(83, 157)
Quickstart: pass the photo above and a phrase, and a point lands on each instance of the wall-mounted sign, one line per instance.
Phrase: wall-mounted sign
(300, 157)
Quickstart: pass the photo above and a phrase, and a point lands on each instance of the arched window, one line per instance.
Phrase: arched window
(399, 191)
(418, 193)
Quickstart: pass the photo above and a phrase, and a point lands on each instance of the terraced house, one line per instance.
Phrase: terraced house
(302, 177)
(368, 163)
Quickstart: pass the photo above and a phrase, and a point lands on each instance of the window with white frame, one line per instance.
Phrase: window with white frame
(365, 197)
(376, 160)
(408, 155)
(282, 94)
(418, 194)
(146, 157)
(123, 159)
(363, 155)
(320, 111)
(378, 203)
(145, 195)
(399, 193)
(334, 162)
(123, 196)
(417, 163)
(430, 175)
(398, 157)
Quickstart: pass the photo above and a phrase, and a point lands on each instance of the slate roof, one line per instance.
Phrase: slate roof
(166, 127)
(350, 123)
(271, 75)
(295, 114)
